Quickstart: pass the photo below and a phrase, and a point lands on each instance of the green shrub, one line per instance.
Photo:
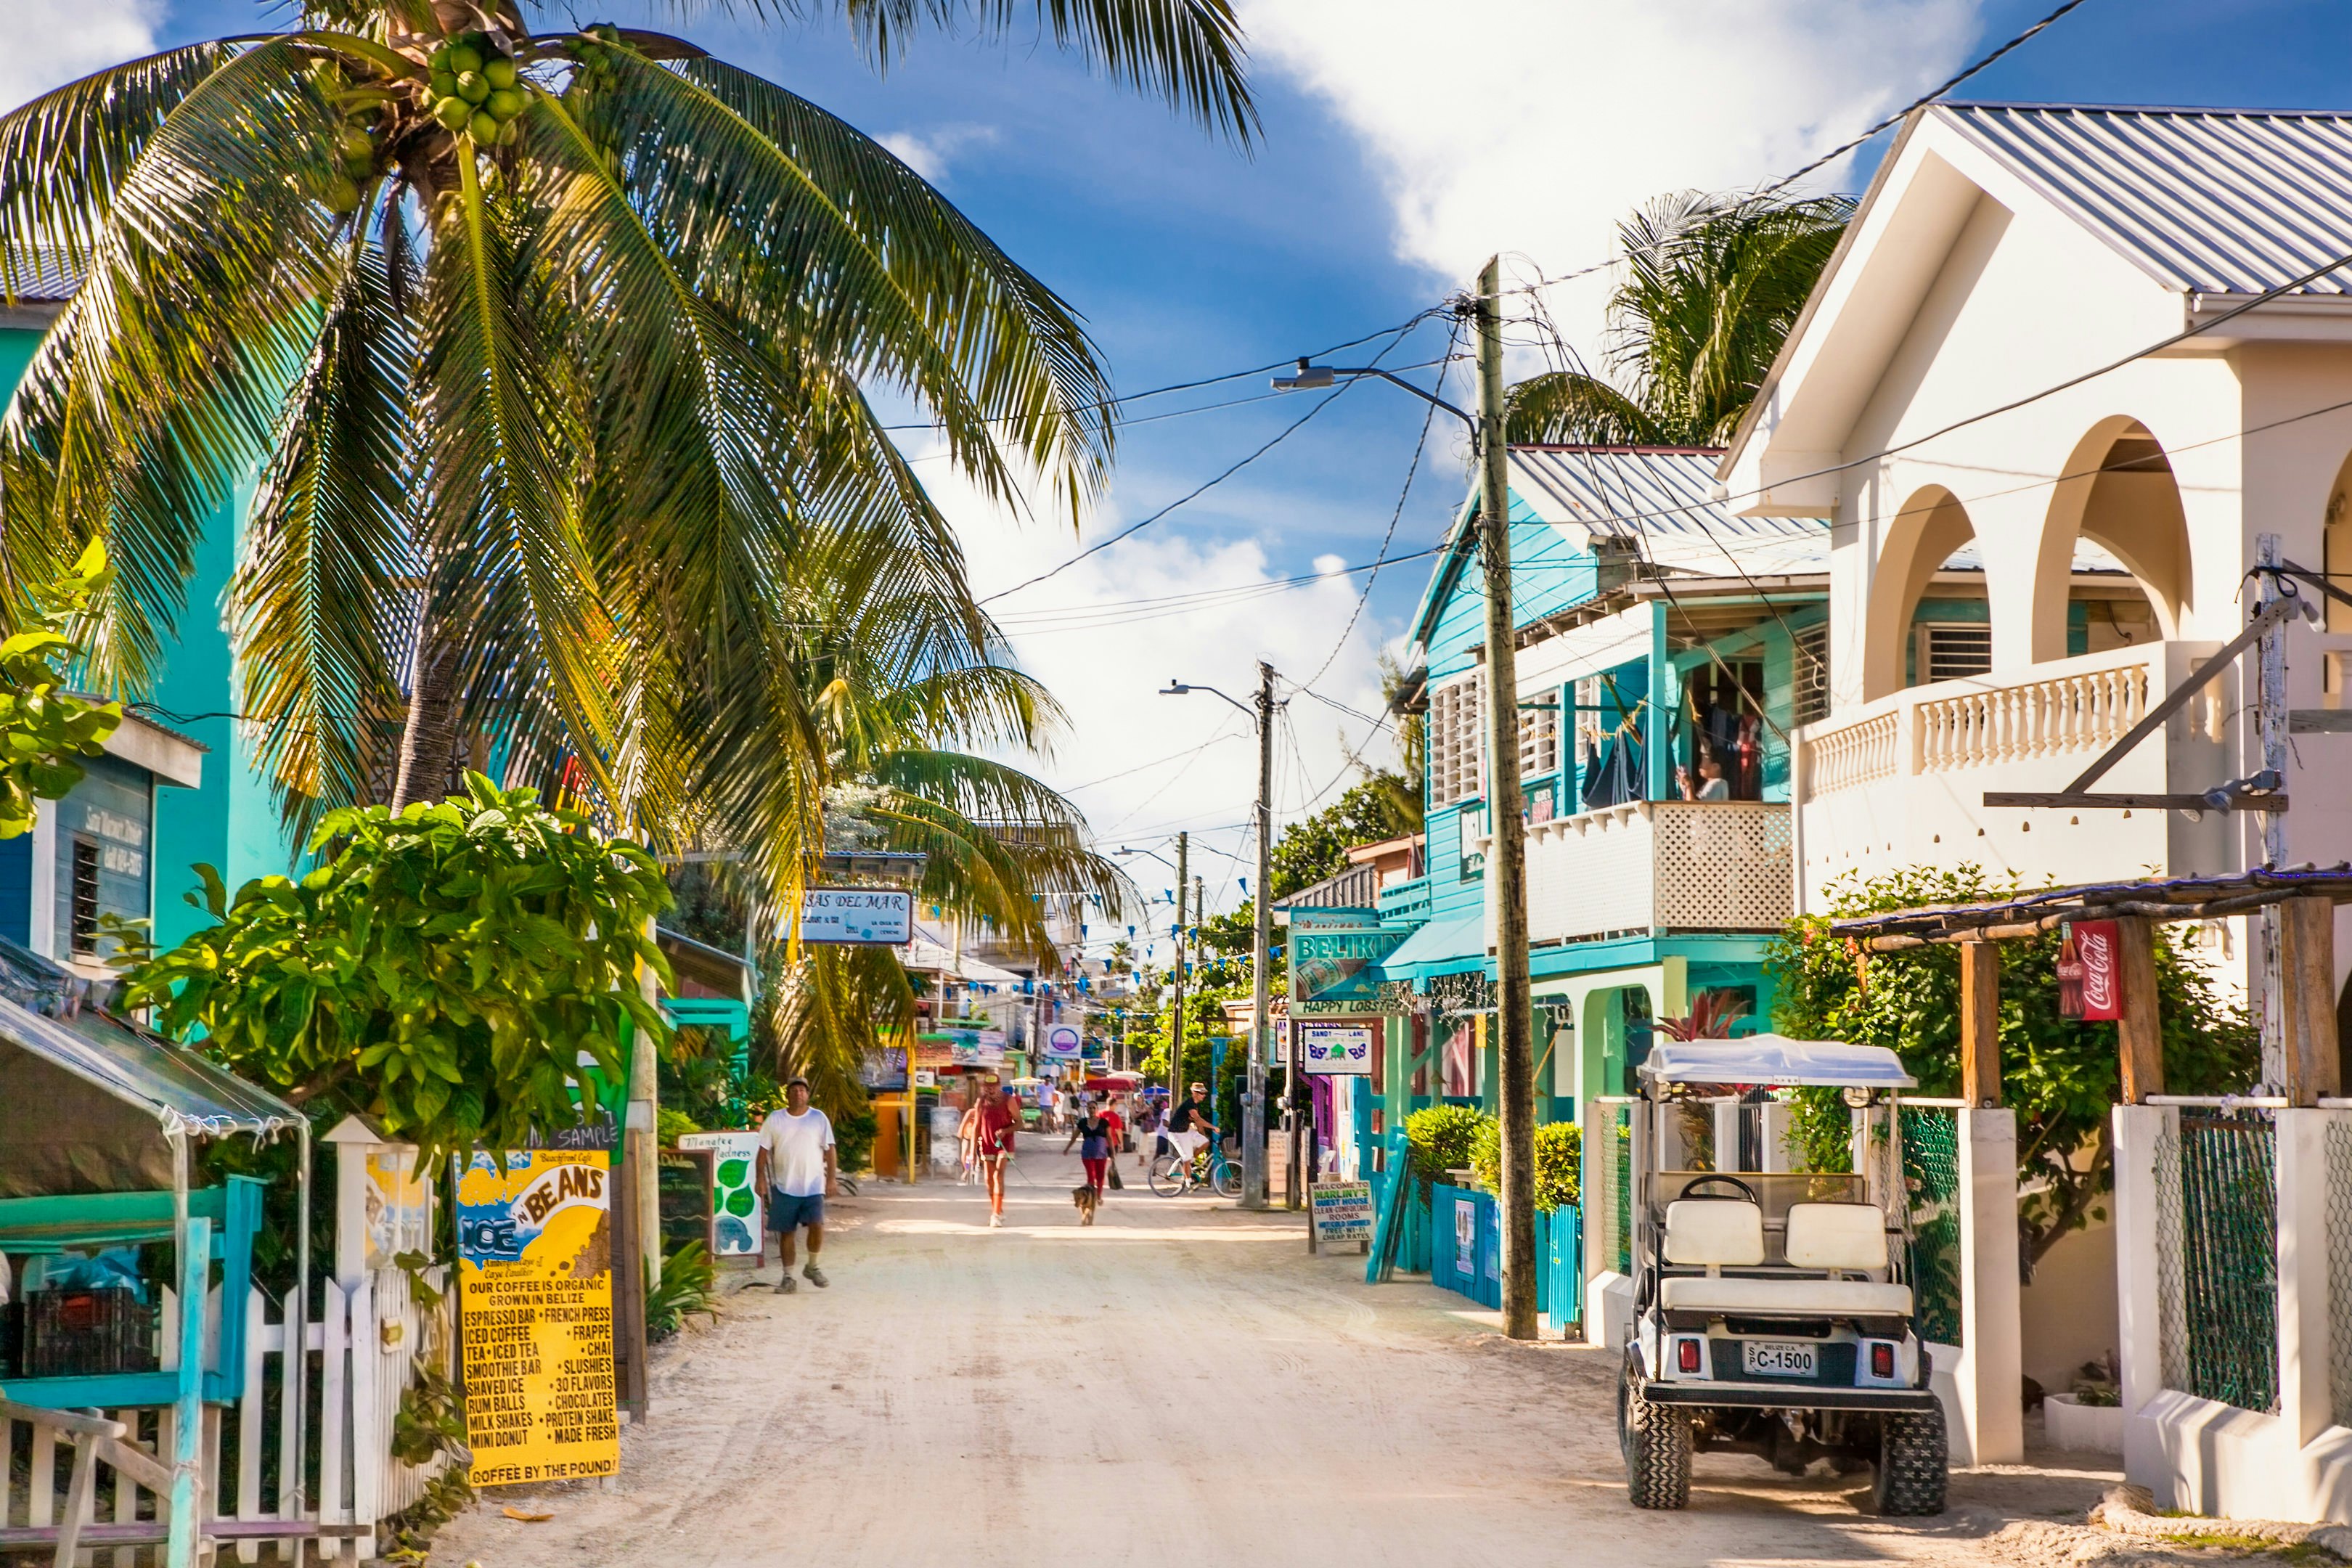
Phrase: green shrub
(1441, 1138)
(689, 1284)
(853, 1136)
(675, 1124)
(1560, 1147)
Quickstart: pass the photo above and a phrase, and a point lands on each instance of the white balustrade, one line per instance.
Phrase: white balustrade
(2081, 711)
(1855, 754)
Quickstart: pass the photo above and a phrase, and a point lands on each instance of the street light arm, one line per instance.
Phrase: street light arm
(1180, 688)
(1313, 377)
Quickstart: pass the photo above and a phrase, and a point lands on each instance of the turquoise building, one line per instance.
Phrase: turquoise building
(178, 785)
(1667, 649)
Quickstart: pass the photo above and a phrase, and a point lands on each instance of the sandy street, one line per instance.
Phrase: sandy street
(1180, 1381)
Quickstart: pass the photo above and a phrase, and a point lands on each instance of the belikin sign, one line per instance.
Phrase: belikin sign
(2088, 985)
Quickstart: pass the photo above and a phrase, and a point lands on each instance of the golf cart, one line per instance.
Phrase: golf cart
(1771, 1310)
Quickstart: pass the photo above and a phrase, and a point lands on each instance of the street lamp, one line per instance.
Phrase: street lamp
(1261, 1029)
(1507, 866)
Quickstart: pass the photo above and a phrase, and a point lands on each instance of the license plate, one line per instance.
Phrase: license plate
(1771, 1358)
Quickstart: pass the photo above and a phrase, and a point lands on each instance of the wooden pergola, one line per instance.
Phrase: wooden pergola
(2306, 897)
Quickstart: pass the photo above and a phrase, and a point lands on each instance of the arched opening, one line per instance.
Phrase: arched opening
(2113, 566)
(1923, 537)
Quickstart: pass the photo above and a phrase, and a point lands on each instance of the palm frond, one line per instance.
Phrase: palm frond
(1564, 407)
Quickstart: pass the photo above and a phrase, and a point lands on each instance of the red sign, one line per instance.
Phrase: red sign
(2088, 985)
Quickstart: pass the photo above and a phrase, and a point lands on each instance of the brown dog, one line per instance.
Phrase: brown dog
(1088, 1200)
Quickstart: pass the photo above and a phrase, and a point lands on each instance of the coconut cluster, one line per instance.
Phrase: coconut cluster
(475, 89)
(355, 142)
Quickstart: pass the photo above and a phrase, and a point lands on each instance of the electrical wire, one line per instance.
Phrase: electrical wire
(1282, 436)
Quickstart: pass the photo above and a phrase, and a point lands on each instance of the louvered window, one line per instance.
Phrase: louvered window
(1954, 650)
(1812, 672)
(1456, 760)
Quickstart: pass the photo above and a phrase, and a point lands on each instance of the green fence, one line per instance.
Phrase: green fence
(1931, 1183)
(2216, 1247)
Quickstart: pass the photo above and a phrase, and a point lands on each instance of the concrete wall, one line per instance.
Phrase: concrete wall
(2068, 1313)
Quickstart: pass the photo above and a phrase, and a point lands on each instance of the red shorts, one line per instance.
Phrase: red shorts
(1095, 1172)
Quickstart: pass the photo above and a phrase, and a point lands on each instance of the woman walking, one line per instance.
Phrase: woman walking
(1091, 1131)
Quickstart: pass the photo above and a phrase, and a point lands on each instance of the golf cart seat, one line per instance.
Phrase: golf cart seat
(1832, 1237)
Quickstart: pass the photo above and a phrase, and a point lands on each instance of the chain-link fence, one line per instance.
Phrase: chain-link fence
(2339, 1151)
(2217, 1257)
(1608, 1184)
(1930, 1137)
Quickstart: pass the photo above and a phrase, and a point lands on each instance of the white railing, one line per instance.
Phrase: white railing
(1855, 754)
(2085, 710)
(364, 1351)
(1647, 866)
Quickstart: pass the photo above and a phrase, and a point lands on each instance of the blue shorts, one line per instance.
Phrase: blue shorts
(787, 1213)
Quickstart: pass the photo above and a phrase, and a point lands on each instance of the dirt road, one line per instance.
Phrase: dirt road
(1180, 1380)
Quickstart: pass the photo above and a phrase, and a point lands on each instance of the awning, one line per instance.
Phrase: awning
(1439, 946)
(1778, 1060)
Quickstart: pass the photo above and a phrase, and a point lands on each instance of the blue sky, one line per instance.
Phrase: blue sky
(1403, 141)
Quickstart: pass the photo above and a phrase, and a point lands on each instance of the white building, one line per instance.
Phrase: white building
(2035, 257)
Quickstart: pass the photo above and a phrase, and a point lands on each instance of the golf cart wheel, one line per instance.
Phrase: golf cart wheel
(1167, 1176)
(1657, 1440)
(1227, 1178)
(1912, 1456)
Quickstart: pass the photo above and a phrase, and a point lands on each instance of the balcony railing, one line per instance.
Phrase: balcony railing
(1648, 868)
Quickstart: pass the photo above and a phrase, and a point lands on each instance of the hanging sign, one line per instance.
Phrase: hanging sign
(2089, 987)
(535, 1273)
(1336, 1050)
(1335, 956)
(1064, 1041)
(734, 1190)
(859, 917)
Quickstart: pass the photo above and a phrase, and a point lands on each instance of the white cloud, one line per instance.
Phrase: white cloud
(1532, 126)
(1151, 763)
(929, 152)
(52, 42)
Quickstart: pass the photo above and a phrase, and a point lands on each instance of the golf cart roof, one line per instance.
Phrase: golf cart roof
(1778, 1060)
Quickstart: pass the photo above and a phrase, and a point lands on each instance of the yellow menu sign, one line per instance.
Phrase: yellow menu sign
(535, 1273)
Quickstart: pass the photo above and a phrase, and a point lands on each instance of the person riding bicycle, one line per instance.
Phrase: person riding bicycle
(1188, 1126)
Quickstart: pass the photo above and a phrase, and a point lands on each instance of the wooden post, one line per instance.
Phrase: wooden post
(2308, 964)
(2139, 1034)
(1980, 1024)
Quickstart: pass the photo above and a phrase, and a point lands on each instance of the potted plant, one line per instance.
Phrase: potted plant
(2090, 1419)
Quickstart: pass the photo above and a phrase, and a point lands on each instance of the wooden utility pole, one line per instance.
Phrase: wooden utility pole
(2139, 1032)
(1260, 1044)
(1176, 1022)
(1507, 869)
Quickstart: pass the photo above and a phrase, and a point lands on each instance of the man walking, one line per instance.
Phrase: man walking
(797, 1165)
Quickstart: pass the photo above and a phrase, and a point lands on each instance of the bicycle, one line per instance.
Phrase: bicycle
(1172, 1176)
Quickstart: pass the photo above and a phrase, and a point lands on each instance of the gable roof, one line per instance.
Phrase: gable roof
(1655, 504)
(2205, 201)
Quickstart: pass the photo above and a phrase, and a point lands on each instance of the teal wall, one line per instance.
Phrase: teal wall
(230, 821)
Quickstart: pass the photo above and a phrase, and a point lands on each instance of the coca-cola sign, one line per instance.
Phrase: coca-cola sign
(2089, 986)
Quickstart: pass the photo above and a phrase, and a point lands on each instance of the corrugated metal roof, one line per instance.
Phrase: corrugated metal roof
(42, 277)
(2206, 201)
(1662, 497)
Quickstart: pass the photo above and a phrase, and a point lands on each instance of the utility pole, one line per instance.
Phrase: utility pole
(1507, 869)
(1254, 1195)
(1176, 1021)
(2271, 721)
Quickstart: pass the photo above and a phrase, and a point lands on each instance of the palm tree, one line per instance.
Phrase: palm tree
(1712, 285)
(552, 354)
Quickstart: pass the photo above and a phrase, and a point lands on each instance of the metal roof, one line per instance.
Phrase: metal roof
(2206, 201)
(1663, 500)
(1776, 1059)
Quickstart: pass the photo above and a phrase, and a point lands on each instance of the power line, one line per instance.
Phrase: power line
(1282, 436)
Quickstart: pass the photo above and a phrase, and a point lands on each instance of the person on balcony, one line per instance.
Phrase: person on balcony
(1710, 784)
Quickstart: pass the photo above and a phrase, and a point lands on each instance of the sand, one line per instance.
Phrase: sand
(1181, 1380)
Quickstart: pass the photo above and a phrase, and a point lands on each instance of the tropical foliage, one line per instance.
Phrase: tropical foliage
(2060, 1077)
(45, 725)
(554, 354)
(441, 971)
(1559, 1162)
(1440, 1137)
(1711, 286)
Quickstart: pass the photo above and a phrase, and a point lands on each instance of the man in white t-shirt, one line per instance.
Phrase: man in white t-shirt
(797, 1169)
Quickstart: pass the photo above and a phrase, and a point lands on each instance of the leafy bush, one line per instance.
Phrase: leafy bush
(689, 1284)
(441, 971)
(1559, 1150)
(673, 1125)
(2060, 1077)
(1441, 1138)
(853, 1136)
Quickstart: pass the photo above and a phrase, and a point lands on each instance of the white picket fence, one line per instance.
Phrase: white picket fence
(365, 1352)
